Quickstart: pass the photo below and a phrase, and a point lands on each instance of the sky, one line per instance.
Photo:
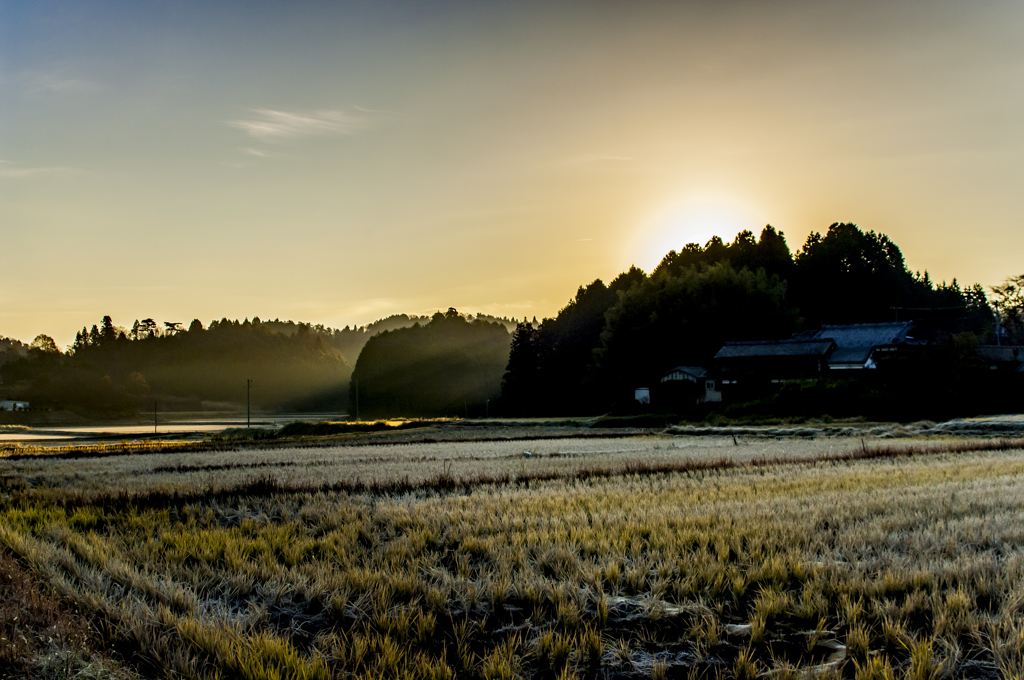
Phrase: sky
(338, 162)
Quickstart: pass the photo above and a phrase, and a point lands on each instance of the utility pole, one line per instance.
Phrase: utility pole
(154, 417)
(487, 409)
(248, 384)
(357, 400)
(999, 328)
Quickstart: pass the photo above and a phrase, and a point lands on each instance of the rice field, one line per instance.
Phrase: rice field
(642, 557)
(377, 464)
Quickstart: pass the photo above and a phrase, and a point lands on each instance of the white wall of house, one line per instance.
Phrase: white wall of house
(711, 391)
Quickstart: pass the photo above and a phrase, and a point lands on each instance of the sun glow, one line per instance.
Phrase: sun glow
(690, 220)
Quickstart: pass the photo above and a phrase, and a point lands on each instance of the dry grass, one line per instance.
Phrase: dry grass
(413, 465)
(315, 435)
(650, 557)
(40, 637)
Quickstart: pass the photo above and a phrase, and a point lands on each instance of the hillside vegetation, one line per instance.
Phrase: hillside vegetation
(112, 370)
(449, 366)
(610, 339)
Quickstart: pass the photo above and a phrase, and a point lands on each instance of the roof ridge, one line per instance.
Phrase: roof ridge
(788, 341)
(864, 325)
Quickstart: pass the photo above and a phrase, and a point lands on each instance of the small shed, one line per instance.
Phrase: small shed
(707, 386)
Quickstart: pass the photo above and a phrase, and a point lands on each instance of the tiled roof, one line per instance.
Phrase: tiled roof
(866, 334)
(695, 371)
(775, 348)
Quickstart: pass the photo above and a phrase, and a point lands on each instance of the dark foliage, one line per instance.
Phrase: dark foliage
(109, 370)
(852, 276)
(1009, 300)
(551, 367)
(684, 319)
(448, 367)
(769, 252)
(607, 341)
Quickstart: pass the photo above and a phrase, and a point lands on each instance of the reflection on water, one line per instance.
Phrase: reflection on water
(194, 426)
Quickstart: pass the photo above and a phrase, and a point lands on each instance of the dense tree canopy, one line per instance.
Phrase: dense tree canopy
(112, 370)
(702, 296)
(607, 339)
(683, 319)
(447, 367)
(1009, 300)
(769, 252)
(550, 368)
(11, 349)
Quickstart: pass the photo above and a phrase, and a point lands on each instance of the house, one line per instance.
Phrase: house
(863, 345)
(695, 382)
(808, 354)
(773, 360)
(10, 405)
(749, 369)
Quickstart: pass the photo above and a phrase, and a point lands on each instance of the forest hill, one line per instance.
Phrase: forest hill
(450, 366)
(110, 370)
(612, 339)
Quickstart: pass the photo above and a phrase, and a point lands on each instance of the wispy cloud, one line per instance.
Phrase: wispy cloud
(366, 110)
(270, 125)
(259, 153)
(52, 82)
(10, 169)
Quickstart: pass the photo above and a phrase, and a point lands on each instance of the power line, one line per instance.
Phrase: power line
(927, 309)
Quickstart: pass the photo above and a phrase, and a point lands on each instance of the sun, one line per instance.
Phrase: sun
(690, 220)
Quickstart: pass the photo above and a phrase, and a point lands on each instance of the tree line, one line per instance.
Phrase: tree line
(114, 370)
(587, 359)
(449, 366)
(609, 339)
(111, 370)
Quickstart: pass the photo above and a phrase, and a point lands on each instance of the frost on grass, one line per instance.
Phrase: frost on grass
(784, 558)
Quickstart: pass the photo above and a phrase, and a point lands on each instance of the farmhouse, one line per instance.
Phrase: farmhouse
(773, 360)
(807, 355)
(750, 367)
(9, 405)
(747, 367)
(863, 345)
